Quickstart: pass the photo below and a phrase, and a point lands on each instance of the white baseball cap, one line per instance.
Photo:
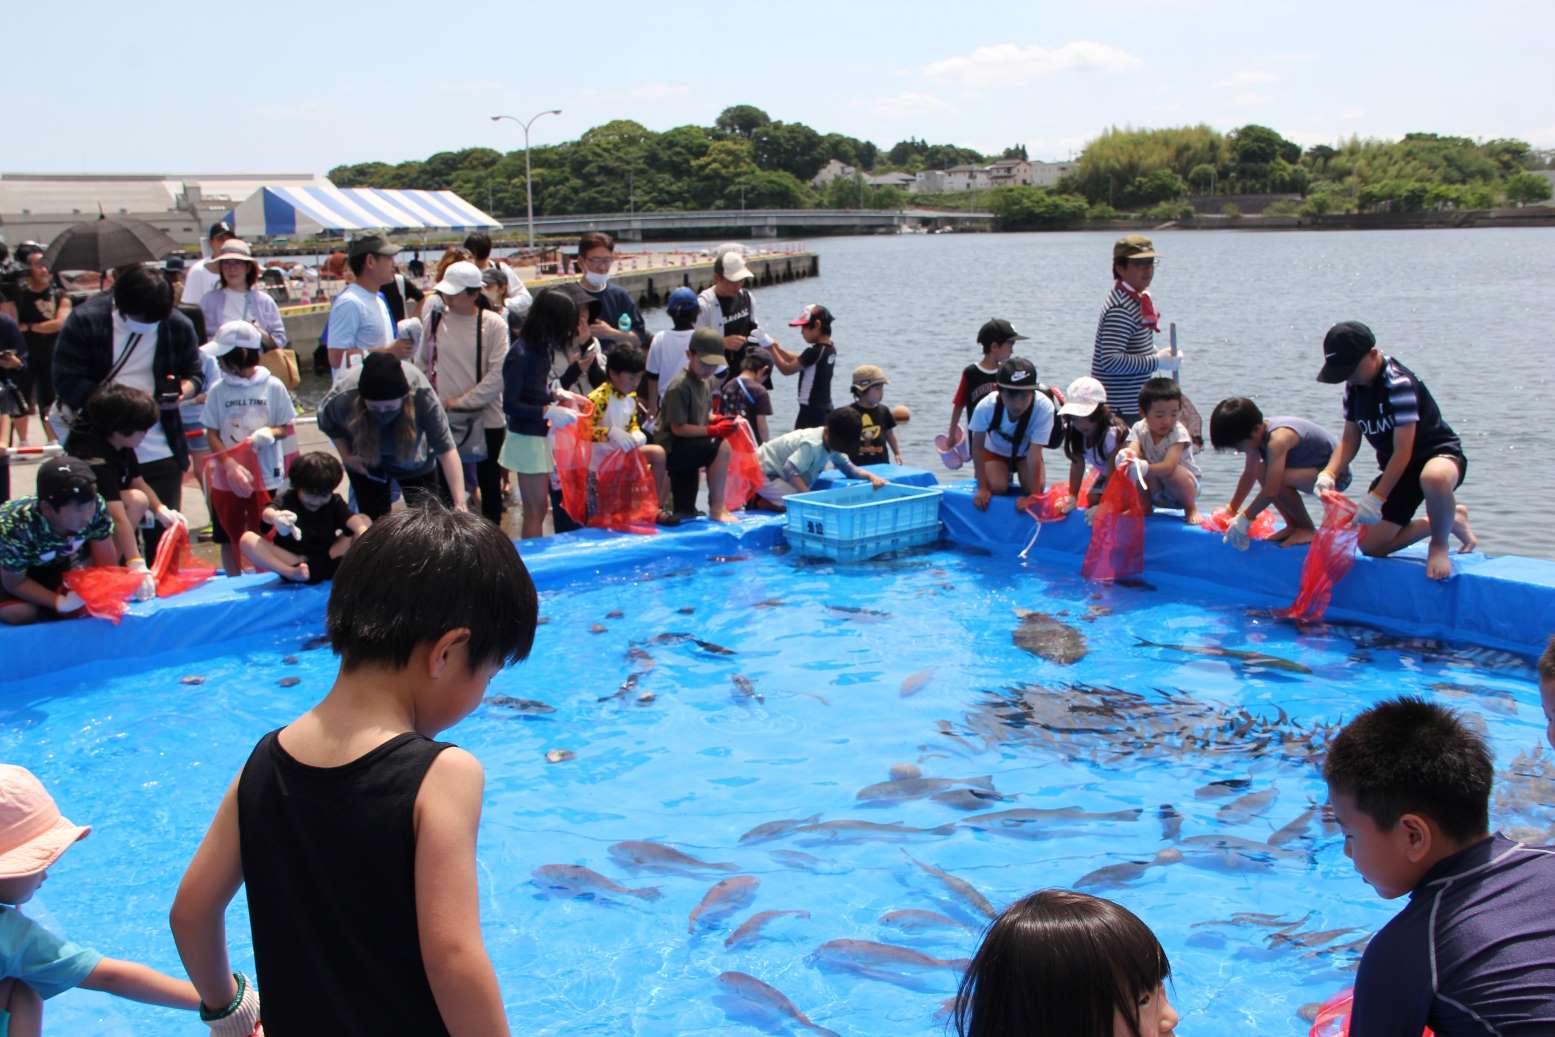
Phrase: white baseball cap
(459, 277)
(1083, 396)
(731, 267)
(235, 334)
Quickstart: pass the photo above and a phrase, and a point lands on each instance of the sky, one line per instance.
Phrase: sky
(302, 87)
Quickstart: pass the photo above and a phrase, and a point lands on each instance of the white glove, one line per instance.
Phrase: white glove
(560, 417)
(1236, 533)
(1136, 466)
(147, 588)
(1165, 360)
(1369, 511)
(622, 440)
(1323, 484)
(286, 524)
(262, 437)
(639, 437)
(170, 518)
(68, 602)
(240, 1017)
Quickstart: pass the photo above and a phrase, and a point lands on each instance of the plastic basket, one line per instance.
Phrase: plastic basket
(852, 523)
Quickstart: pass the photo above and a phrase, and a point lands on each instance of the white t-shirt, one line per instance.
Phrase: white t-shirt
(359, 319)
(234, 306)
(198, 281)
(1140, 439)
(236, 407)
(1000, 440)
(667, 356)
(139, 371)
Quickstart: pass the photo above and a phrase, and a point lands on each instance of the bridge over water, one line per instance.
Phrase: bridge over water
(756, 223)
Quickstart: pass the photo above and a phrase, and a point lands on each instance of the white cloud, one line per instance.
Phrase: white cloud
(1250, 99)
(1006, 64)
(905, 105)
(1247, 77)
(650, 91)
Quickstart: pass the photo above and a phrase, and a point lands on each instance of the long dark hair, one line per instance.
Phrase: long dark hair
(1076, 442)
(367, 437)
(552, 322)
(1060, 964)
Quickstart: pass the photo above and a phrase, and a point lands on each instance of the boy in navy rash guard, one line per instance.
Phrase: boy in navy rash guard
(1473, 952)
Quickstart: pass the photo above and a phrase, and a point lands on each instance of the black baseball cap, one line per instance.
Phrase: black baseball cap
(372, 245)
(1017, 373)
(582, 298)
(997, 330)
(382, 378)
(1344, 347)
(219, 228)
(66, 480)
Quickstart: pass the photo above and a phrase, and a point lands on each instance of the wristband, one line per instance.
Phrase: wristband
(206, 1015)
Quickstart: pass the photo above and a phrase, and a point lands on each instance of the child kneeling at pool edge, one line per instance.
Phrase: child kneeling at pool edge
(353, 831)
(1473, 952)
(314, 527)
(1284, 456)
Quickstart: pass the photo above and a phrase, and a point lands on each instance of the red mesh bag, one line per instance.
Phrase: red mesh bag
(1329, 558)
(624, 498)
(105, 589)
(1333, 1017)
(1117, 532)
(573, 448)
(176, 566)
(1086, 484)
(745, 476)
(236, 490)
(1261, 529)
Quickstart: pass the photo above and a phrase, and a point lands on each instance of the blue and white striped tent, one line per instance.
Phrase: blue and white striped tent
(322, 208)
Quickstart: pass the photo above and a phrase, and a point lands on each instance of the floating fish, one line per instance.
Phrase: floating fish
(1128, 871)
(641, 658)
(728, 558)
(1256, 918)
(970, 799)
(598, 628)
(686, 610)
(192, 679)
(711, 648)
(1050, 638)
(751, 928)
(724, 899)
(1171, 822)
(801, 861)
(646, 698)
(770, 830)
(770, 603)
(316, 641)
(959, 886)
(580, 881)
(1312, 939)
(651, 856)
(871, 830)
(289, 682)
(1046, 815)
(529, 707)
(289, 660)
(1246, 806)
(627, 687)
(901, 771)
(919, 788)
(1431, 649)
(615, 614)
(1496, 700)
(916, 682)
(1249, 660)
(765, 1006)
(880, 960)
(1296, 828)
(559, 755)
(855, 614)
(746, 689)
(1223, 787)
(915, 921)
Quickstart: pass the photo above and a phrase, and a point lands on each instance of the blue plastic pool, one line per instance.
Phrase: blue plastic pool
(807, 710)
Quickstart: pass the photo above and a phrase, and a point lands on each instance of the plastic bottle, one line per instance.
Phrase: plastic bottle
(624, 322)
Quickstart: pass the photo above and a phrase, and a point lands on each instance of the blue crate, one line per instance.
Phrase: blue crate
(855, 522)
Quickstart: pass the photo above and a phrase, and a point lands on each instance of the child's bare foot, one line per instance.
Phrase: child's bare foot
(1438, 563)
(1460, 528)
(1294, 537)
(723, 515)
(298, 573)
(1192, 517)
(1279, 536)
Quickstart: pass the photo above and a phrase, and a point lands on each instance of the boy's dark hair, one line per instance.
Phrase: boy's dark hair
(422, 572)
(1155, 391)
(844, 430)
(684, 320)
(1410, 756)
(626, 359)
(121, 408)
(315, 472)
(1547, 662)
(552, 321)
(1232, 421)
(821, 316)
(593, 239)
(239, 359)
(141, 293)
(755, 362)
(479, 244)
(358, 263)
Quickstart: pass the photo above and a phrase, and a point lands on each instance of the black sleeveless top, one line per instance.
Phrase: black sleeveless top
(329, 864)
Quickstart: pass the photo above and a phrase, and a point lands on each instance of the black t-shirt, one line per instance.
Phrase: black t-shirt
(1394, 398)
(614, 301)
(816, 364)
(319, 529)
(975, 384)
(35, 307)
(740, 398)
(873, 448)
(115, 468)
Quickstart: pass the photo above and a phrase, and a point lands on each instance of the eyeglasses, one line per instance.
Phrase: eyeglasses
(1150, 261)
(597, 262)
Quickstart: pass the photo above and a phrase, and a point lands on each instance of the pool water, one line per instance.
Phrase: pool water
(771, 688)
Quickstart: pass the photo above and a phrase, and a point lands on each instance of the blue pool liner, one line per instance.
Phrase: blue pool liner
(1507, 602)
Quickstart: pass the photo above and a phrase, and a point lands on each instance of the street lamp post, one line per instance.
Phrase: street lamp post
(529, 189)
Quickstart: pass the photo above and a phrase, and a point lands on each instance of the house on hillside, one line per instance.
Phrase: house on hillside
(902, 180)
(835, 169)
(965, 178)
(1046, 174)
(1009, 172)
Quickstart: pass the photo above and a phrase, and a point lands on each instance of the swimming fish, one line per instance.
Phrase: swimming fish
(1246, 806)
(745, 687)
(801, 861)
(686, 610)
(598, 628)
(769, 830)
(879, 960)
(751, 928)
(770, 603)
(1050, 638)
(626, 688)
(1312, 939)
(559, 755)
(1251, 660)
(1223, 787)
(912, 920)
(872, 830)
(959, 886)
(1045, 815)
(316, 641)
(970, 799)
(899, 771)
(916, 682)
(529, 707)
(289, 682)
(1258, 919)
(1128, 871)
(769, 1006)
(859, 615)
(289, 660)
(614, 614)
(728, 558)
(651, 856)
(724, 899)
(646, 698)
(711, 648)
(580, 881)
(1494, 699)
(919, 788)
(641, 658)
(1295, 828)
(1171, 822)
(192, 680)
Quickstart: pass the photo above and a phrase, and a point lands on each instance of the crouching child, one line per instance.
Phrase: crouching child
(1283, 456)
(792, 461)
(313, 525)
(44, 537)
(1009, 428)
(688, 432)
(1163, 444)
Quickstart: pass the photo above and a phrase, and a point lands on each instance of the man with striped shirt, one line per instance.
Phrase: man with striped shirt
(1126, 357)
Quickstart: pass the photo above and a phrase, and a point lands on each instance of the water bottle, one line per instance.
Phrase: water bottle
(624, 322)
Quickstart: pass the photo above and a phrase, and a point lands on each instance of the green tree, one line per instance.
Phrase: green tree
(741, 120)
(788, 147)
(1032, 208)
(1017, 151)
(1202, 177)
(1527, 188)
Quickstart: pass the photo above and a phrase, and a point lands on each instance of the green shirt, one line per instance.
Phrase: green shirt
(686, 402)
(27, 541)
(802, 452)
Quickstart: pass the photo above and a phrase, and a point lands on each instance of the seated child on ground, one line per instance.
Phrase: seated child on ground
(314, 528)
(1093, 438)
(352, 830)
(1420, 456)
(685, 429)
(105, 435)
(38, 964)
(1284, 456)
(746, 396)
(1064, 964)
(249, 405)
(1163, 443)
(43, 537)
(997, 339)
(792, 461)
(1473, 952)
(1009, 428)
(615, 418)
(879, 421)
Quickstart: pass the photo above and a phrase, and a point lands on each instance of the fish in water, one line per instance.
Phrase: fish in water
(751, 928)
(529, 707)
(1296, 828)
(916, 682)
(857, 614)
(686, 610)
(919, 788)
(711, 648)
(1246, 806)
(289, 682)
(765, 1006)
(316, 641)
(1223, 787)
(580, 881)
(627, 687)
(770, 830)
(879, 960)
(1247, 660)
(289, 660)
(870, 830)
(651, 856)
(746, 689)
(959, 886)
(615, 614)
(801, 861)
(646, 698)
(559, 755)
(900, 771)
(915, 921)
(1046, 815)
(770, 603)
(191, 679)
(724, 899)
(541, 621)
(1312, 939)
(1050, 638)
(641, 658)
(1128, 871)
(598, 628)
(729, 558)
(969, 799)
(1171, 822)
(1256, 918)
(1494, 699)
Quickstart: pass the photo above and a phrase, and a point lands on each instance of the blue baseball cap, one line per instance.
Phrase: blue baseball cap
(682, 298)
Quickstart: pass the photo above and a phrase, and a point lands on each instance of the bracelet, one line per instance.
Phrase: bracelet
(206, 1015)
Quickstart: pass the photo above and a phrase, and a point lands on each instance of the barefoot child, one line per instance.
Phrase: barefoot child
(314, 528)
(352, 830)
(1419, 453)
(1009, 429)
(685, 430)
(1284, 456)
(615, 419)
(37, 964)
(1163, 443)
(1093, 439)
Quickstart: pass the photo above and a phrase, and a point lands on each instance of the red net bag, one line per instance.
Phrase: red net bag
(745, 476)
(235, 484)
(1086, 485)
(573, 448)
(1333, 1017)
(176, 566)
(624, 496)
(1047, 509)
(1117, 532)
(105, 589)
(1329, 558)
(1261, 529)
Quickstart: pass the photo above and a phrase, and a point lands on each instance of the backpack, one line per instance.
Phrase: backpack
(1055, 435)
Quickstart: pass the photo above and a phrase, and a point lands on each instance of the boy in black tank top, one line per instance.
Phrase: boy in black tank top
(352, 829)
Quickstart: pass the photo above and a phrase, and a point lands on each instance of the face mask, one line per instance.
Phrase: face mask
(595, 281)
